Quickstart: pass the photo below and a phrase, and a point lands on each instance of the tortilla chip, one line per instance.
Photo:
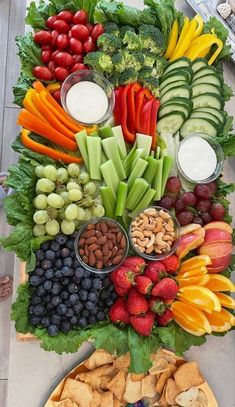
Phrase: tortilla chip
(64, 403)
(171, 391)
(116, 402)
(105, 380)
(160, 363)
(148, 384)
(96, 399)
(163, 378)
(162, 400)
(132, 392)
(106, 399)
(98, 358)
(111, 371)
(80, 393)
(93, 377)
(188, 375)
(135, 377)
(118, 384)
(122, 362)
(187, 398)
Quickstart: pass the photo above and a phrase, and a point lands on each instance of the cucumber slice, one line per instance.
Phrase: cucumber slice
(182, 91)
(179, 100)
(203, 88)
(171, 122)
(187, 72)
(198, 64)
(212, 79)
(173, 79)
(206, 115)
(171, 86)
(172, 108)
(195, 125)
(178, 63)
(207, 70)
(208, 100)
(215, 112)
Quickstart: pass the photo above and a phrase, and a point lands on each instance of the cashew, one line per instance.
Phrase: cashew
(151, 242)
(159, 224)
(158, 251)
(149, 250)
(168, 237)
(163, 214)
(147, 233)
(169, 228)
(142, 243)
(151, 225)
(137, 233)
(151, 212)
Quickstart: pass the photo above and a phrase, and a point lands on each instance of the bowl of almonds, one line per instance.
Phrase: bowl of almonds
(154, 233)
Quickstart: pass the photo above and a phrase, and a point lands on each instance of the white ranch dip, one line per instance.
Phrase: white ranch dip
(197, 158)
(87, 102)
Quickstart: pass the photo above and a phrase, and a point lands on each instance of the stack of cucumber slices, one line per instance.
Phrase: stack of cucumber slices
(191, 100)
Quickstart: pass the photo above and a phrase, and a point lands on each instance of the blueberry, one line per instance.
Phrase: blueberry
(101, 316)
(58, 273)
(72, 254)
(104, 295)
(76, 280)
(89, 305)
(107, 282)
(61, 309)
(49, 273)
(82, 322)
(74, 299)
(40, 291)
(75, 263)
(73, 288)
(106, 310)
(35, 300)
(31, 310)
(45, 322)
(78, 308)
(86, 283)
(65, 281)
(35, 280)
(65, 326)
(79, 272)
(69, 313)
(94, 310)
(83, 295)
(109, 302)
(61, 239)
(87, 273)
(45, 245)
(70, 244)
(114, 295)
(56, 287)
(67, 271)
(64, 295)
(35, 320)
(49, 306)
(85, 313)
(74, 320)
(65, 252)
(46, 264)
(47, 285)
(52, 330)
(56, 319)
(92, 319)
(54, 246)
(58, 263)
(38, 263)
(47, 298)
(68, 261)
(40, 254)
(39, 272)
(49, 255)
(97, 283)
(58, 254)
(39, 310)
(92, 297)
(56, 300)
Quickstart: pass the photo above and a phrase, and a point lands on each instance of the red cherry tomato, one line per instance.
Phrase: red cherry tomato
(89, 26)
(50, 21)
(78, 67)
(62, 41)
(80, 17)
(63, 59)
(42, 37)
(75, 46)
(89, 45)
(53, 55)
(80, 32)
(66, 15)
(43, 73)
(46, 56)
(51, 66)
(61, 26)
(61, 73)
(77, 59)
(54, 35)
(56, 95)
(45, 47)
(97, 30)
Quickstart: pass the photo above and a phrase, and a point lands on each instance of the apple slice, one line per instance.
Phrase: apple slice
(217, 235)
(187, 243)
(219, 225)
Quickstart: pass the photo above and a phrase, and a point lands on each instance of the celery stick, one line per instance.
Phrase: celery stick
(138, 154)
(110, 176)
(151, 170)
(144, 202)
(157, 182)
(105, 132)
(137, 191)
(158, 153)
(127, 163)
(81, 138)
(94, 156)
(103, 157)
(137, 171)
(144, 141)
(95, 134)
(121, 198)
(118, 134)
(167, 164)
(152, 154)
(108, 201)
(112, 153)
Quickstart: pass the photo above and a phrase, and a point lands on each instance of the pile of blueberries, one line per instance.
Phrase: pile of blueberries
(66, 296)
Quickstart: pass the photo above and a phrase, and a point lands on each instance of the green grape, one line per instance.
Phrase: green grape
(50, 172)
(39, 171)
(60, 188)
(52, 212)
(98, 211)
(40, 217)
(39, 230)
(62, 175)
(45, 185)
(52, 227)
(67, 227)
(84, 177)
(71, 212)
(88, 201)
(72, 185)
(81, 214)
(65, 196)
(75, 195)
(88, 214)
(90, 188)
(40, 202)
(55, 201)
(76, 222)
(73, 170)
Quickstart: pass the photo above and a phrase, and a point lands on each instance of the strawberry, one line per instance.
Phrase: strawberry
(135, 263)
(157, 306)
(143, 284)
(172, 264)
(118, 312)
(121, 291)
(155, 271)
(136, 303)
(165, 318)
(123, 277)
(166, 288)
(143, 324)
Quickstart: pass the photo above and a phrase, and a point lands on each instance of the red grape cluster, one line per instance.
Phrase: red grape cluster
(192, 207)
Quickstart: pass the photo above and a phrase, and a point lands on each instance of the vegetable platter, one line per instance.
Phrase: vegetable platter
(119, 209)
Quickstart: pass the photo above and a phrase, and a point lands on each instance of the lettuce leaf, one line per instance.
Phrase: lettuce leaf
(20, 89)
(223, 190)
(165, 13)
(29, 53)
(30, 155)
(37, 15)
(227, 92)
(19, 310)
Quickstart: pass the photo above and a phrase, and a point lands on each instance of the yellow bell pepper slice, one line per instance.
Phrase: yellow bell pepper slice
(173, 38)
(203, 44)
(183, 32)
(53, 87)
(29, 105)
(204, 53)
(186, 41)
(200, 26)
(217, 52)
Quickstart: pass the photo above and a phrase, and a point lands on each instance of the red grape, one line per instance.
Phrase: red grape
(198, 220)
(213, 186)
(206, 217)
(189, 198)
(54, 35)
(80, 17)
(184, 217)
(217, 211)
(204, 205)
(166, 202)
(173, 185)
(61, 26)
(66, 16)
(51, 66)
(179, 205)
(202, 191)
(46, 56)
(50, 21)
(42, 73)
(89, 26)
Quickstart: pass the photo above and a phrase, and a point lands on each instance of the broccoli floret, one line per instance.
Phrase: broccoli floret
(128, 76)
(124, 29)
(153, 85)
(133, 60)
(109, 43)
(99, 61)
(114, 79)
(132, 41)
(112, 28)
(119, 62)
(145, 73)
(149, 59)
(160, 66)
(152, 39)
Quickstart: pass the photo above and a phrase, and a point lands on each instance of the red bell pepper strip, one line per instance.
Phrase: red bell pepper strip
(128, 135)
(131, 103)
(142, 96)
(145, 122)
(153, 122)
(117, 106)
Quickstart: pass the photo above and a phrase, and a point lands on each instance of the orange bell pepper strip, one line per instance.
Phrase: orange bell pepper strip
(53, 87)
(33, 123)
(49, 116)
(131, 97)
(28, 104)
(48, 151)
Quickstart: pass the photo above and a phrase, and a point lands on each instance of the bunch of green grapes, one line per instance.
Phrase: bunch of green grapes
(65, 197)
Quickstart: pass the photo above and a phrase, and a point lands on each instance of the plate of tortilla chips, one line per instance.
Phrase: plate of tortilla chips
(104, 380)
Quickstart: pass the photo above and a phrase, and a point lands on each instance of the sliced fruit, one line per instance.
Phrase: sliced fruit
(196, 280)
(220, 263)
(219, 225)
(218, 322)
(220, 248)
(196, 261)
(187, 243)
(226, 301)
(228, 316)
(190, 318)
(217, 235)
(217, 282)
(201, 297)
(195, 272)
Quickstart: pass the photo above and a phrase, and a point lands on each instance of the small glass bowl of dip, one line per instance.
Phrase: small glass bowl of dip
(92, 93)
(199, 153)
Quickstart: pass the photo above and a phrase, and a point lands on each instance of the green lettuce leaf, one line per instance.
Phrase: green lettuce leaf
(140, 349)
(37, 15)
(29, 53)
(30, 155)
(165, 13)
(223, 190)
(19, 310)
(227, 92)
(21, 88)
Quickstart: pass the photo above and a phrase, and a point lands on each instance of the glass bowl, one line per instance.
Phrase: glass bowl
(104, 270)
(155, 256)
(90, 76)
(219, 155)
